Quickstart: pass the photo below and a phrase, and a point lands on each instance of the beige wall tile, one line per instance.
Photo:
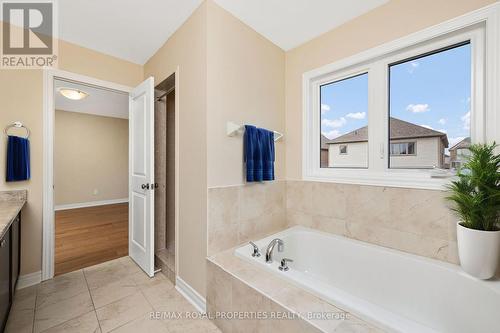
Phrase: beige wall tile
(329, 200)
(252, 201)
(299, 196)
(241, 213)
(330, 224)
(410, 220)
(299, 218)
(245, 299)
(223, 208)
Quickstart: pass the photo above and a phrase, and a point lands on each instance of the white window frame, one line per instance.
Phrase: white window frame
(340, 149)
(480, 27)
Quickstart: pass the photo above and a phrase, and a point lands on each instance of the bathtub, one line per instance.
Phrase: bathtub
(394, 290)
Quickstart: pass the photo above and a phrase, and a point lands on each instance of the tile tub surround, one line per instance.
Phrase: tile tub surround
(240, 213)
(411, 220)
(114, 296)
(237, 286)
(11, 203)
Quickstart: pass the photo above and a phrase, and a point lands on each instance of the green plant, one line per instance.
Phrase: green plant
(476, 192)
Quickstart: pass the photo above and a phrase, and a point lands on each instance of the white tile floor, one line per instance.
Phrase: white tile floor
(115, 296)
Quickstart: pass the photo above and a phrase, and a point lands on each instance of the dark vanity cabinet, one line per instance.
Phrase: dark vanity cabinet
(9, 268)
(15, 254)
(4, 279)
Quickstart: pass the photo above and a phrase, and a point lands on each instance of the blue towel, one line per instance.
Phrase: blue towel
(259, 154)
(18, 159)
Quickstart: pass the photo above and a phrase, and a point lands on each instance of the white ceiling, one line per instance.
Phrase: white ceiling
(129, 29)
(134, 30)
(99, 102)
(290, 23)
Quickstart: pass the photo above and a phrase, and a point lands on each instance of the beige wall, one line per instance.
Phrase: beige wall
(186, 49)
(395, 19)
(246, 85)
(21, 99)
(228, 72)
(90, 153)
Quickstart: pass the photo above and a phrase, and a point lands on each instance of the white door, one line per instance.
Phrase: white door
(141, 176)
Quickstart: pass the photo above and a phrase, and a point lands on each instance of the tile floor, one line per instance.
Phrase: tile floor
(115, 296)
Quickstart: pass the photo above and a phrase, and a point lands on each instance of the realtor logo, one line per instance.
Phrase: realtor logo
(28, 38)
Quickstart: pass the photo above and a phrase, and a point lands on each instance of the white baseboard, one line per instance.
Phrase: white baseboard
(29, 280)
(190, 294)
(90, 204)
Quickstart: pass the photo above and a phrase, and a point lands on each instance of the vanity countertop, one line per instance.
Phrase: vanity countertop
(11, 203)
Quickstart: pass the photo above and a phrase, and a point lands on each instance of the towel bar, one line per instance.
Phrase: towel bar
(233, 129)
(17, 124)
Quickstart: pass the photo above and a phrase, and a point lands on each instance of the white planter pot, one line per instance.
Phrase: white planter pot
(479, 251)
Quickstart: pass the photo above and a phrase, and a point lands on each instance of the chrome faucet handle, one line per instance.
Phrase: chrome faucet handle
(256, 251)
(284, 264)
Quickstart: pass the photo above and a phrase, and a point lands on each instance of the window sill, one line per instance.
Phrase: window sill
(390, 178)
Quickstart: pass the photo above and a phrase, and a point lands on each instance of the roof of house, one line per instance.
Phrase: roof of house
(465, 143)
(399, 130)
(324, 142)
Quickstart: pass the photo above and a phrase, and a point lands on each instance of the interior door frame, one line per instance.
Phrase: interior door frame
(176, 89)
(48, 223)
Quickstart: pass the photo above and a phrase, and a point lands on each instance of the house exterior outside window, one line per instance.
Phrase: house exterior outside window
(431, 147)
(459, 153)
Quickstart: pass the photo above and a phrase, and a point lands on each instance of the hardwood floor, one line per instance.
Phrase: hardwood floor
(89, 236)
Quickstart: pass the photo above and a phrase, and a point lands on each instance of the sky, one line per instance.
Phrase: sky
(432, 91)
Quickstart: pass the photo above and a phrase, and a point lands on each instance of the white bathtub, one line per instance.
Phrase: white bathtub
(394, 290)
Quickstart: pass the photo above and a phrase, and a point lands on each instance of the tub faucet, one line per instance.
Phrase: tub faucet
(270, 248)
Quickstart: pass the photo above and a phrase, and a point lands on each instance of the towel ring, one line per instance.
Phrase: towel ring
(17, 124)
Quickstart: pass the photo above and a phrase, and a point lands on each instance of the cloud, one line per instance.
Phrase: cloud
(325, 108)
(334, 123)
(413, 66)
(442, 121)
(356, 115)
(331, 134)
(418, 108)
(466, 121)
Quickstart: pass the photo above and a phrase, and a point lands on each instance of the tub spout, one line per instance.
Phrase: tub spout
(270, 248)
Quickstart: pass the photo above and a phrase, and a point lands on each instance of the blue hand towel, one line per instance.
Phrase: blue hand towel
(259, 154)
(18, 159)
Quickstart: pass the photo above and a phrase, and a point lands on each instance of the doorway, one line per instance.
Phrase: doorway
(90, 175)
(165, 175)
(141, 181)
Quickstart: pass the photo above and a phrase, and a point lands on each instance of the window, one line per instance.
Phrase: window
(389, 115)
(403, 148)
(344, 119)
(429, 101)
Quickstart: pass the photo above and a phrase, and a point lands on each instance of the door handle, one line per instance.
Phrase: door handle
(145, 186)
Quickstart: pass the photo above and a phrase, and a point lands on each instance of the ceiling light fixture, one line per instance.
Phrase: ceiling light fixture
(74, 94)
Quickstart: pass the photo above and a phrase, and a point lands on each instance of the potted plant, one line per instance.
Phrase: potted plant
(475, 195)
